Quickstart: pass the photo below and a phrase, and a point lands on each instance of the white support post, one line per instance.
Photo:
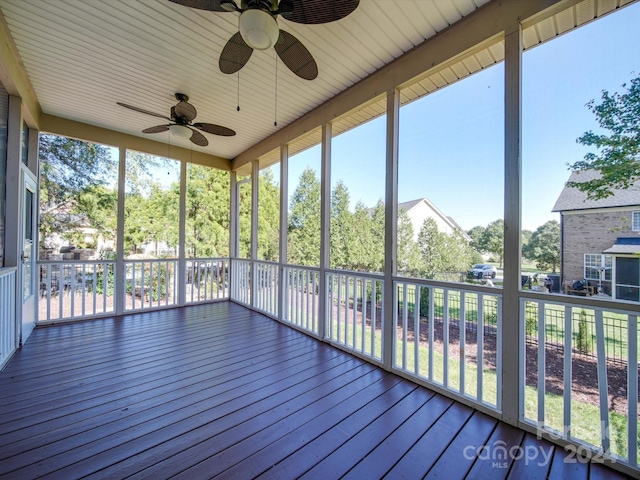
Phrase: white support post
(390, 227)
(182, 253)
(120, 290)
(12, 206)
(511, 371)
(325, 226)
(284, 223)
(255, 182)
(234, 211)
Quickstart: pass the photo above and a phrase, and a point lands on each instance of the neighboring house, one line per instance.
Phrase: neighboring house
(600, 239)
(421, 209)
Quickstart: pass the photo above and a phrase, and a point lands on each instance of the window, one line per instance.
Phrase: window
(594, 264)
(635, 221)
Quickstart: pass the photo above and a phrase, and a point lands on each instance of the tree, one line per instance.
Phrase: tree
(377, 236)
(207, 212)
(409, 260)
(70, 169)
(268, 216)
(492, 239)
(304, 221)
(341, 227)
(544, 246)
(618, 159)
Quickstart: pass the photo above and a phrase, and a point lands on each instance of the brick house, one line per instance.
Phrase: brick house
(600, 239)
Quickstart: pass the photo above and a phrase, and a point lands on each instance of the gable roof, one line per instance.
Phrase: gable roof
(573, 199)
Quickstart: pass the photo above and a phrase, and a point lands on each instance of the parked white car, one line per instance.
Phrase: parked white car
(484, 270)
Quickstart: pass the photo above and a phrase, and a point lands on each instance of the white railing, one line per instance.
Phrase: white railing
(451, 337)
(7, 314)
(207, 279)
(241, 281)
(150, 283)
(300, 297)
(266, 287)
(579, 380)
(355, 312)
(74, 289)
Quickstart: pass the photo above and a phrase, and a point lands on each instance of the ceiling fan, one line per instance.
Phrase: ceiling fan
(258, 29)
(182, 116)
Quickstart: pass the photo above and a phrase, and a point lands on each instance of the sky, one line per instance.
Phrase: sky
(451, 142)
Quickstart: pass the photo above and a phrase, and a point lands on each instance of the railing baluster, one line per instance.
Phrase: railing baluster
(568, 356)
(462, 327)
(480, 349)
(445, 335)
(632, 390)
(432, 318)
(603, 388)
(405, 325)
(541, 363)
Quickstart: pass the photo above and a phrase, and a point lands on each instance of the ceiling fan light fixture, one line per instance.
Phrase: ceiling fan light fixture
(180, 131)
(258, 29)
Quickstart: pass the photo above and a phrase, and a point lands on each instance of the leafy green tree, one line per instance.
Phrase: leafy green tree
(377, 215)
(544, 246)
(618, 158)
(525, 238)
(342, 237)
(409, 260)
(443, 254)
(304, 221)
(476, 234)
(207, 212)
(363, 249)
(268, 216)
(69, 169)
(492, 240)
(431, 243)
(244, 219)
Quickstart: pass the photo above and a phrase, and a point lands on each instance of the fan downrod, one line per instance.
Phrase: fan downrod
(182, 97)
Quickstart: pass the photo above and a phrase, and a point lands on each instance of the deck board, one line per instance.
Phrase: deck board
(217, 390)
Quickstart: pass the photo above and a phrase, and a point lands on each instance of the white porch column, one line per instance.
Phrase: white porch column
(511, 341)
(284, 223)
(13, 200)
(182, 250)
(255, 177)
(325, 227)
(233, 215)
(390, 225)
(119, 290)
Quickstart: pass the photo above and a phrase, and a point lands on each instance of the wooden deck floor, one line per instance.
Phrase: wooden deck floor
(220, 391)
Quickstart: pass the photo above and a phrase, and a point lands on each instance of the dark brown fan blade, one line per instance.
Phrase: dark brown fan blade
(313, 12)
(296, 56)
(211, 5)
(156, 129)
(185, 110)
(142, 110)
(215, 129)
(198, 138)
(235, 54)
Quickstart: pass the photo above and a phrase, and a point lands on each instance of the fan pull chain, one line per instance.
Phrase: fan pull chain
(238, 108)
(275, 106)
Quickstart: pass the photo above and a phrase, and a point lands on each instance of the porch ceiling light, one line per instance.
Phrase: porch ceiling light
(180, 131)
(258, 29)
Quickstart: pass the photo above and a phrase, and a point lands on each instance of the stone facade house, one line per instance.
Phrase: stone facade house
(600, 239)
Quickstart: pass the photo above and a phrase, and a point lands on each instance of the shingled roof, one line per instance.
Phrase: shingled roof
(574, 199)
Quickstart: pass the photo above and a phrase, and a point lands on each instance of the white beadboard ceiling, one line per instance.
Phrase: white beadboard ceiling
(83, 56)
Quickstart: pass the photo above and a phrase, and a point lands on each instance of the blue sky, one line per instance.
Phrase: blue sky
(451, 142)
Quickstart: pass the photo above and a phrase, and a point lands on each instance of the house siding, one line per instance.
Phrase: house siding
(591, 232)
